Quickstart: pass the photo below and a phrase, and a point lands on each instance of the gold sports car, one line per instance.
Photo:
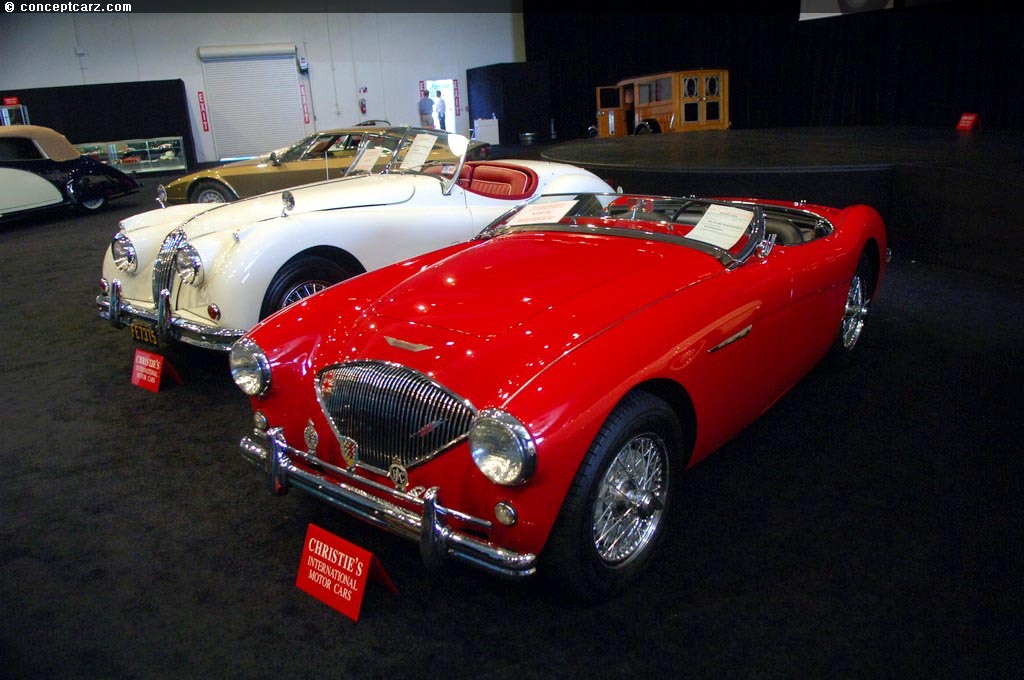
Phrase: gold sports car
(322, 155)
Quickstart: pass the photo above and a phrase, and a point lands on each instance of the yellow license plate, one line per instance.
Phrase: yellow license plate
(144, 333)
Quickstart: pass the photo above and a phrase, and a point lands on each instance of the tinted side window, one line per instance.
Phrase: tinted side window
(18, 149)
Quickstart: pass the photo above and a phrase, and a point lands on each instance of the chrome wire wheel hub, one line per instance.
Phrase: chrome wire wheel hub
(630, 501)
(853, 316)
(303, 290)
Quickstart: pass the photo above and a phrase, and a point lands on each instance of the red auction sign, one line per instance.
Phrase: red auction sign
(11, 101)
(335, 571)
(148, 368)
(968, 121)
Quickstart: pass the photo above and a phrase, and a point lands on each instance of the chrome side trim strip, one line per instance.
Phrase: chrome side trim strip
(731, 339)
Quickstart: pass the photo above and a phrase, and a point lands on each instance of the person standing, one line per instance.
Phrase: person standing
(426, 110)
(439, 107)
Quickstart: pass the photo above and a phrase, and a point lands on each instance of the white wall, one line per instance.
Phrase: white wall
(388, 53)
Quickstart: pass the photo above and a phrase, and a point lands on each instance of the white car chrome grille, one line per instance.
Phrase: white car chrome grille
(163, 266)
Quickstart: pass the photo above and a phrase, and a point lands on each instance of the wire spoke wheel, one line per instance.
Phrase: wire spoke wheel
(210, 196)
(854, 314)
(303, 290)
(630, 501)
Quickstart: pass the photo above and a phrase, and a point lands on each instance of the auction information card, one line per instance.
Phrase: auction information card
(722, 226)
(335, 571)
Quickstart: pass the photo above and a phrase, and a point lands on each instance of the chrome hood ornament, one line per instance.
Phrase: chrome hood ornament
(402, 344)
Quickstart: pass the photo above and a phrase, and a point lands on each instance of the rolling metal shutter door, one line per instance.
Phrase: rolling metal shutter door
(252, 94)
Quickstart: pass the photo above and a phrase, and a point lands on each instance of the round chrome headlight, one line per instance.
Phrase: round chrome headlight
(123, 251)
(502, 447)
(250, 367)
(189, 265)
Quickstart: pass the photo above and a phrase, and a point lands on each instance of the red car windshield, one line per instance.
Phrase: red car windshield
(729, 232)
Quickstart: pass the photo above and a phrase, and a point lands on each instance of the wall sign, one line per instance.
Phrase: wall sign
(202, 112)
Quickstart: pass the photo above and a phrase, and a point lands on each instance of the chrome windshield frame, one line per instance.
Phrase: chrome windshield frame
(408, 134)
(754, 232)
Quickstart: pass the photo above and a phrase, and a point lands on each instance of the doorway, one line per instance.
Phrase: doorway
(447, 89)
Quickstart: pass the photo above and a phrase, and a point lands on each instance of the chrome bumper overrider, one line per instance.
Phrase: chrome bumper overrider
(121, 314)
(438, 541)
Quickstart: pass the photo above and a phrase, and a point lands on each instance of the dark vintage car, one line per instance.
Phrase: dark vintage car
(39, 168)
(529, 400)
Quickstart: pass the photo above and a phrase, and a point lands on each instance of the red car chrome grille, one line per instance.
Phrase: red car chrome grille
(393, 414)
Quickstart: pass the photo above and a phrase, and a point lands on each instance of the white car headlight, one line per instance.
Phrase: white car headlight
(250, 367)
(189, 265)
(502, 447)
(123, 250)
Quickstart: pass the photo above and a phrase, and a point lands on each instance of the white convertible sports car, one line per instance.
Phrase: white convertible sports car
(205, 273)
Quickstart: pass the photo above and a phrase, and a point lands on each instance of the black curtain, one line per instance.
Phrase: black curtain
(921, 65)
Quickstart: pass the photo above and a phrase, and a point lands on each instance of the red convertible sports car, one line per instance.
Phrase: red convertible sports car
(527, 401)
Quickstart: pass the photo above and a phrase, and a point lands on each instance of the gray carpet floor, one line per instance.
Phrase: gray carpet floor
(867, 526)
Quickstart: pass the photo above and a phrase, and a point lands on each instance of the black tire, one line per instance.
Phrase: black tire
(851, 6)
(208, 191)
(858, 301)
(592, 132)
(301, 278)
(576, 557)
(91, 205)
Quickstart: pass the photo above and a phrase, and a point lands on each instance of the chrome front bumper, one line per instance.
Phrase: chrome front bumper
(430, 527)
(121, 314)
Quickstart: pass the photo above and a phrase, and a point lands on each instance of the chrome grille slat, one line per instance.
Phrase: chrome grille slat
(163, 266)
(392, 412)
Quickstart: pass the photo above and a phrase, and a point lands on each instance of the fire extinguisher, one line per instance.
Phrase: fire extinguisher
(362, 106)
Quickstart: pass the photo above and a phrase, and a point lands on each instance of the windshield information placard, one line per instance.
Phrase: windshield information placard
(721, 226)
(418, 151)
(542, 213)
(368, 160)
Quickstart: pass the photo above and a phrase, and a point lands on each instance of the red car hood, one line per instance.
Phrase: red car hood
(496, 313)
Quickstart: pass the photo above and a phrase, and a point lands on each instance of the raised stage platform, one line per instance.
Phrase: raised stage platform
(949, 198)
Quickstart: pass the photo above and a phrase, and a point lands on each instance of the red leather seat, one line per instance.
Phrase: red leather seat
(502, 181)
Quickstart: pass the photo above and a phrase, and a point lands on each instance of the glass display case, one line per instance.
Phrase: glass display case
(158, 154)
(13, 114)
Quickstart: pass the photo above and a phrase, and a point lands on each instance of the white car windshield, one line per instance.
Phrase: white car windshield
(415, 150)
